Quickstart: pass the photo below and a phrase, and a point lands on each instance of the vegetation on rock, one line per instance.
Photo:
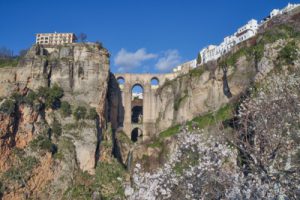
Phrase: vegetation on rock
(80, 113)
(66, 110)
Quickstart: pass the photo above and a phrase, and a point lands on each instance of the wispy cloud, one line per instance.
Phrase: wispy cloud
(127, 60)
(170, 59)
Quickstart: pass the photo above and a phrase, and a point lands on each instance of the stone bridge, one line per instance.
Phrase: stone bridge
(150, 112)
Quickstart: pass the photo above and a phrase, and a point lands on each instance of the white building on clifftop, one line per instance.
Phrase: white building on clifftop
(245, 32)
(55, 38)
(213, 52)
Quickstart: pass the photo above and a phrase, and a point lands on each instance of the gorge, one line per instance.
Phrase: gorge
(227, 129)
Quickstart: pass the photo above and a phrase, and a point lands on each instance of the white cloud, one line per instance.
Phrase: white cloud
(127, 60)
(170, 59)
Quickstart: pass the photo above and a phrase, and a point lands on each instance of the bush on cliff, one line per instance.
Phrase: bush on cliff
(65, 109)
(92, 114)
(288, 54)
(8, 107)
(79, 113)
(56, 128)
(51, 96)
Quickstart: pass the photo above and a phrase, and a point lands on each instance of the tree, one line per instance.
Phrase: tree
(23, 52)
(6, 53)
(82, 37)
(268, 136)
(199, 59)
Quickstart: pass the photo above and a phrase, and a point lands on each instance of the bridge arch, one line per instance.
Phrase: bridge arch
(137, 103)
(149, 113)
(154, 82)
(136, 134)
(121, 80)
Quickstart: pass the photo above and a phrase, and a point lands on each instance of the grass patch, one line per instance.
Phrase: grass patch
(157, 143)
(9, 62)
(212, 118)
(169, 132)
(196, 72)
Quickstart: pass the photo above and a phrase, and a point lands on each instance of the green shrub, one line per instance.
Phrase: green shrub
(92, 114)
(8, 107)
(196, 72)
(51, 96)
(21, 169)
(56, 128)
(65, 109)
(41, 143)
(19, 99)
(79, 113)
(288, 54)
(31, 97)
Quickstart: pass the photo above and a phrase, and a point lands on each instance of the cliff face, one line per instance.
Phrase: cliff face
(42, 148)
(212, 85)
(82, 70)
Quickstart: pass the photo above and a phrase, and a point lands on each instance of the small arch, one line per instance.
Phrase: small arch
(154, 82)
(121, 80)
(136, 133)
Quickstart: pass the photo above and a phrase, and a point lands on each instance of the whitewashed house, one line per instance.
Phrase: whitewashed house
(213, 52)
(275, 12)
(245, 32)
(289, 7)
(185, 67)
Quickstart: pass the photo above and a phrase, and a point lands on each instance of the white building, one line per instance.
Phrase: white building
(289, 7)
(286, 9)
(275, 12)
(55, 38)
(245, 32)
(185, 67)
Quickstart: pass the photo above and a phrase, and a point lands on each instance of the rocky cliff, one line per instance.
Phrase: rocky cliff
(234, 125)
(228, 129)
(210, 86)
(54, 110)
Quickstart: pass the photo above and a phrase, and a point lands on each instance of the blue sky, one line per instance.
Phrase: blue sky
(141, 35)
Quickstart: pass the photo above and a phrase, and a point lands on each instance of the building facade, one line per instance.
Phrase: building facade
(185, 67)
(55, 38)
(213, 52)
